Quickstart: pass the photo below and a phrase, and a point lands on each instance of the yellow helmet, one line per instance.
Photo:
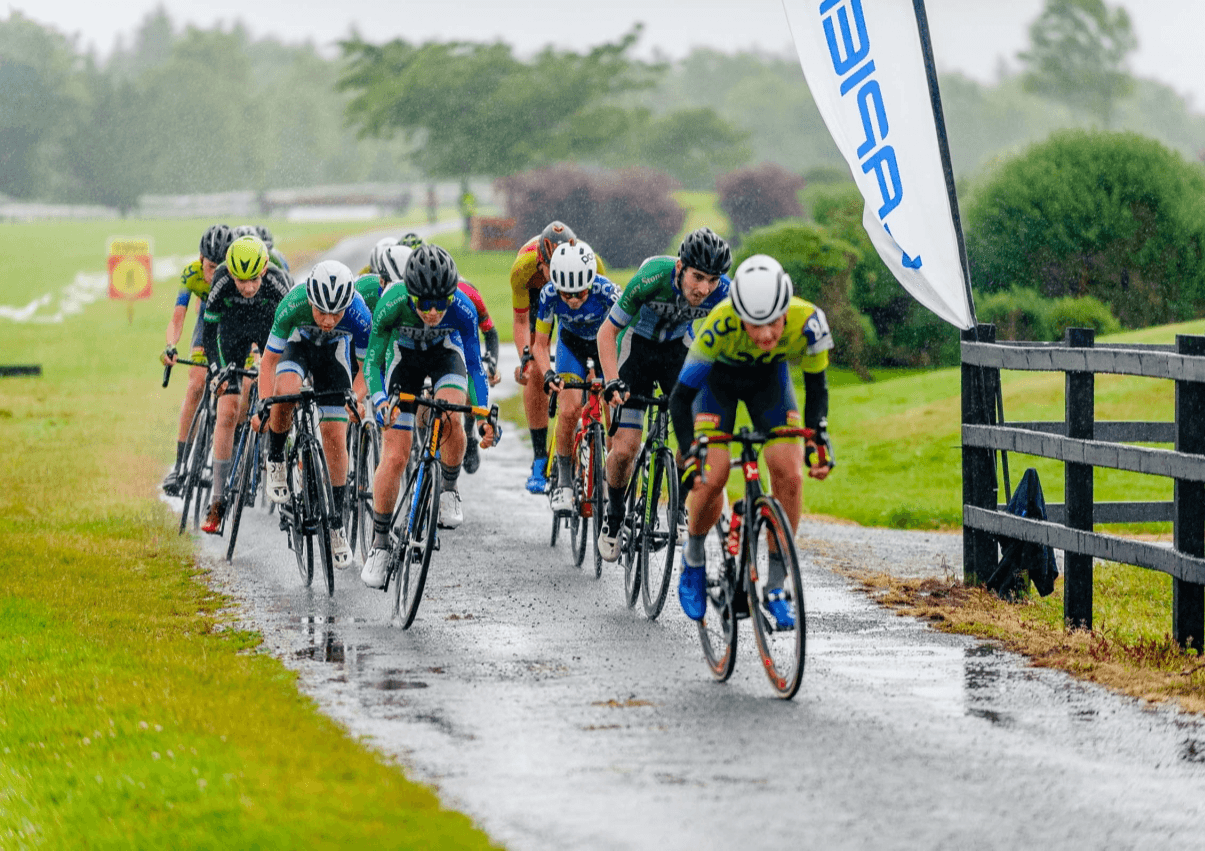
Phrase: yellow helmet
(246, 257)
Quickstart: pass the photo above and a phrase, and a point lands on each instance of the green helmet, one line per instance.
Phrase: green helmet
(247, 257)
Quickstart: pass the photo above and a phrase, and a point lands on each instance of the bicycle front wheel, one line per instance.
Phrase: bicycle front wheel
(419, 542)
(717, 630)
(244, 489)
(368, 455)
(196, 454)
(578, 529)
(598, 493)
(319, 509)
(633, 524)
(659, 533)
(776, 597)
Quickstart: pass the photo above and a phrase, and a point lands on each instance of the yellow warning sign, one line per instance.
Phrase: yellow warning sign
(130, 268)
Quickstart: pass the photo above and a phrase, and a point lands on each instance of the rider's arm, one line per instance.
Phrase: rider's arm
(175, 325)
(384, 318)
(464, 320)
(267, 373)
(212, 317)
(491, 346)
(608, 350)
(521, 272)
(815, 399)
(540, 352)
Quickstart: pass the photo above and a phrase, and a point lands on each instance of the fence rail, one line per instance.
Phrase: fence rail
(1082, 443)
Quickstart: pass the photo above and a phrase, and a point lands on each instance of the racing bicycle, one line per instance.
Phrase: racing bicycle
(589, 479)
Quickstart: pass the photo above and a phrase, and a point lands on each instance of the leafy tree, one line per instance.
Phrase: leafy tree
(476, 108)
(756, 196)
(1111, 215)
(41, 97)
(1077, 55)
(694, 146)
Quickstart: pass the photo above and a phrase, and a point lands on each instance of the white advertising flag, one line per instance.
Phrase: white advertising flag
(864, 63)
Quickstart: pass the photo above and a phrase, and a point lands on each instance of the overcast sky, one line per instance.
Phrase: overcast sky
(971, 36)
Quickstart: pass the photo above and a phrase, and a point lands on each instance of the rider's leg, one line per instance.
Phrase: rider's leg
(223, 441)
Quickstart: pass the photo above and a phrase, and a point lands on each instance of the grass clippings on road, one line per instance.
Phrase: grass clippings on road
(1128, 656)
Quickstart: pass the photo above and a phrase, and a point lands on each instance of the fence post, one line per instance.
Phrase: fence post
(1077, 478)
(980, 552)
(1188, 598)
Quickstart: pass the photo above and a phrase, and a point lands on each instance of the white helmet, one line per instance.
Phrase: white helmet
(761, 290)
(330, 286)
(573, 267)
(393, 262)
(378, 252)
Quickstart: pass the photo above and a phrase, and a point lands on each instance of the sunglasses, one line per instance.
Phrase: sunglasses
(423, 305)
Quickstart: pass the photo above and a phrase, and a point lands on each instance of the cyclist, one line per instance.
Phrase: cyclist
(419, 329)
(581, 299)
(411, 240)
(373, 267)
(741, 354)
(277, 258)
(195, 280)
(644, 342)
(528, 275)
(238, 314)
(319, 330)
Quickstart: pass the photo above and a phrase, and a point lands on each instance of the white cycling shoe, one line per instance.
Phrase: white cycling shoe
(278, 482)
(340, 551)
(450, 513)
(608, 540)
(562, 499)
(375, 568)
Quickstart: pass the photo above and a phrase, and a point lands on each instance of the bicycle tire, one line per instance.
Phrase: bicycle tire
(244, 492)
(422, 529)
(297, 537)
(319, 508)
(633, 520)
(717, 629)
(350, 515)
(553, 483)
(577, 520)
(195, 450)
(659, 538)
(783, 651)
(368, 456)
(598, 492)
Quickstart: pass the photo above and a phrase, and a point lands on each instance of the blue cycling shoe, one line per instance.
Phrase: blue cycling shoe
(780, 608)
(537, 482)
(692, 591)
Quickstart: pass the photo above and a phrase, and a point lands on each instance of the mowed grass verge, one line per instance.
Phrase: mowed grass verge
(131, 713)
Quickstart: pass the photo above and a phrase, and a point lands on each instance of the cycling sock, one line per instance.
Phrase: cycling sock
(450, 475)
(180, 444)
(221, 469)
(564, 470)
(615, 506)
(340, 493)
(380, 530)
(695, 555)
(276, 445)
(539, 442)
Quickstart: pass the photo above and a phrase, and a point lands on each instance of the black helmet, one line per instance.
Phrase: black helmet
(704, 250)
(431, 273)
(215, 242)
(554, 235)
(411, 240)
(265, 235)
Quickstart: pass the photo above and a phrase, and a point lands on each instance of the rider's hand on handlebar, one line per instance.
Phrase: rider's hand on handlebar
(818, 453)
(486, 430)
(552, 381)
(615, 392)
(168, 356)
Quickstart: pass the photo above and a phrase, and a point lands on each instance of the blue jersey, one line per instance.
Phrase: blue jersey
(581, 321)
(295, 321)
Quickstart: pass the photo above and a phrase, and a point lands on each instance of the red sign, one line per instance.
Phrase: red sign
(130, 269)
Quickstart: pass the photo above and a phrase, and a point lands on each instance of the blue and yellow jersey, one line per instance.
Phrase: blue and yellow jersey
(582, 321)
(192, 283)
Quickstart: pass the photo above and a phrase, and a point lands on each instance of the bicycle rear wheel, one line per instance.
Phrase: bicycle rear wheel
(598, 492)
(577, 521)
(659, 538)
(554, 479)
(298, 543)
(196, 453)
(417, 544)
(717, 630)
(782, 645)
(368, 455)
(633, 524)
(246, 480)
(319, 508)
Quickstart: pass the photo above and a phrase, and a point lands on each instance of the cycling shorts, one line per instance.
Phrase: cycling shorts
(329, 366)
(572, 352)
(406, 373)
(236, 345)
(197, 351)
(643, 365)
(766, 390)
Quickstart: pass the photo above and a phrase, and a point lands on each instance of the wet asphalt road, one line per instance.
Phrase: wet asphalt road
(534, 701)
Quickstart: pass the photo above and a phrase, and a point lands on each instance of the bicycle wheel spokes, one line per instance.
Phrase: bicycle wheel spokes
(578, 530)
(368, 454)
(633, 523)
(659, 533)
(319, 508)
(773, 574)
(420, 542)
(244, 490)
(297, 540)
(195, 449)
(717, 630)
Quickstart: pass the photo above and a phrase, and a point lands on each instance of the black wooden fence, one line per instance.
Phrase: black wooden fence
(1083, 443)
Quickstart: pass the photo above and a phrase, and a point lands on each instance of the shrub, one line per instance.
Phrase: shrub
(1113, 215)
(1018, 313)
(1086, 312)
(625, 215)
(759, 195)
